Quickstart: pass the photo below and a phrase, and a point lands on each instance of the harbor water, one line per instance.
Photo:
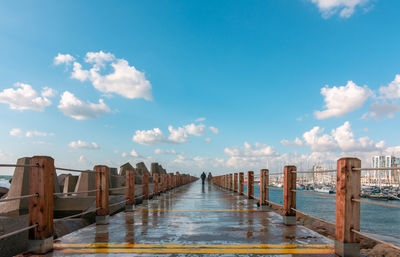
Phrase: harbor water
(382, 222)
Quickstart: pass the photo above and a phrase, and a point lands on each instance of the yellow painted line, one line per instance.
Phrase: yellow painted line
(200, 251)
(279, 246)
(199, 210)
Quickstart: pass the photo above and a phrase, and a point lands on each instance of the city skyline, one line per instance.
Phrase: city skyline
(219, 87)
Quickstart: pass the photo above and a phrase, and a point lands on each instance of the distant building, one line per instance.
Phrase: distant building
(386, 176)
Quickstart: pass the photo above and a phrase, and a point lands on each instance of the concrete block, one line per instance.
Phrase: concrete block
(70, 183)
(86, 182)
(265, 208)
(19, 186)
(347, 249)
(102, 220)
(40, 246)
(289, 220)
(124, 167)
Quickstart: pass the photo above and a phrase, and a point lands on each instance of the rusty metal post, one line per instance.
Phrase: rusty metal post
(235, 182)
(145, 186)
(250, 185)
(348, 187)
(102, 195)
(130, 191)
(41, 183)
(264, 191)
(241, 183)
(289, 195)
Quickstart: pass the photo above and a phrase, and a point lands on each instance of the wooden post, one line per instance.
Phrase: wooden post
(235, 182)
(161, 183)
(41, 182)
(231, 182)
(102, 184)
(130, 191)
(348, 187)
(250, 185)
(145, 185)
(241, 183)
(264, 191)
(289, 197)
(155, 185)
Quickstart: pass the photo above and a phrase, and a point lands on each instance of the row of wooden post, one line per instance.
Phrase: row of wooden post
(41, 182)
(348, 187)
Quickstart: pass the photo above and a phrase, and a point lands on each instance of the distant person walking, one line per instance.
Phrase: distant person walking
(203, 177)
(209, 177)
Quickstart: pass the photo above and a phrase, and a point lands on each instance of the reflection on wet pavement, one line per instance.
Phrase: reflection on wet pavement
(194, 220)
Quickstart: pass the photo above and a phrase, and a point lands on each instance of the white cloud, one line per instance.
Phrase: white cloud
(83, 144)
(75, 108)
(124, 154)
(345, 8)
(63, 58)
(149, 137)
(36, 133)
(133, 153)
(378, 110)
(207, 140)
(392, 91)
(319, 143)
(342, 100)
(26, 98)
(15, 132)
(165, 152)
(178, 135)
(124, 80)
(196, 130)
(200, 119)
(296, 142)
(214, 130)
(250, 150)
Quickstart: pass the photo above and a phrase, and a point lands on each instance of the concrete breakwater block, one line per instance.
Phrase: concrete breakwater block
(86, 182)
(70, 183)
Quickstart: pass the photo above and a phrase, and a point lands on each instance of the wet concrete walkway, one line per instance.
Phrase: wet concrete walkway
(194, 220)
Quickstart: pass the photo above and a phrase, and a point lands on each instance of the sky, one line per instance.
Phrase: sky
(216, 86)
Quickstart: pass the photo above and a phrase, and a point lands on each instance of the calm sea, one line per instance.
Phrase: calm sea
(380, 221)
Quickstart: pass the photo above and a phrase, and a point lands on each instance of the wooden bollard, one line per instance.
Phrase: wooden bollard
(145, 186)
(289, 196)
(155, 185)
(231, 182)
(41, 182)
(264, 191)
(130, 191)
(161, 183)
(348, 187)
(250, 185)
(241, 183)
(235, 182)
(102, 194)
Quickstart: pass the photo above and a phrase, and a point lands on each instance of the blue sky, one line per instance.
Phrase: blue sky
(199, 85)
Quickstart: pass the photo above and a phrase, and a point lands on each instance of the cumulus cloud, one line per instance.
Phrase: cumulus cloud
(15, 132)
(149, 137)
(249, 155)
(133, 153)
(345, 8)
(178, 135)
(318, 142)
(195, 130)
(75, 108)
(24, 97)
(342, 100)
(63, 58)
(392, 91)
(214, 130)
(378, 110)
(83, 144)
(297, 142)
(124, 80)
(200, 119)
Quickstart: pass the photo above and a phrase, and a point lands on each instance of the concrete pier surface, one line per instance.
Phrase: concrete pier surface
(194, 220)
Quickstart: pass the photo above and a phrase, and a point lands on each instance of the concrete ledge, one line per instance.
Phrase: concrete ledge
(347, 249)
(289, 220)
(102, 220)
(40, 246)
(265, 208)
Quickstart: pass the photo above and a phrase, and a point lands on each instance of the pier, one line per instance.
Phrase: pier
(173, 214)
